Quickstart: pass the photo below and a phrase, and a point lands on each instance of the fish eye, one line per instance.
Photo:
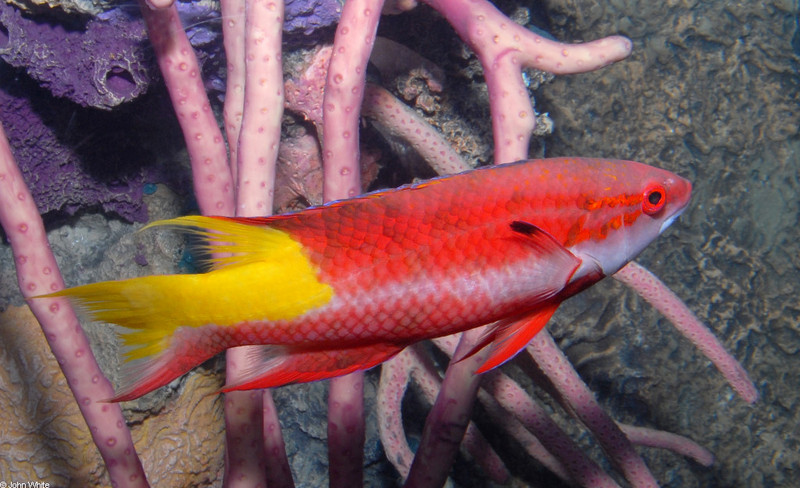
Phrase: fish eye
(655, 197)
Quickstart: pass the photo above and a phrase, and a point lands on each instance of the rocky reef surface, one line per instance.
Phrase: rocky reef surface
(710, 90)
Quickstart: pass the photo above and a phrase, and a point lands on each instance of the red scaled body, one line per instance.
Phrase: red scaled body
(371, 275)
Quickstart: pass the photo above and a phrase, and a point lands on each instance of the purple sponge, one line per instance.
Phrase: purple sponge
(98, 64)
(75, 158)
(304, 17)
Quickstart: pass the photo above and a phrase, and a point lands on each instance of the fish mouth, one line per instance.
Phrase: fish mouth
(683, 188)
(669, 221)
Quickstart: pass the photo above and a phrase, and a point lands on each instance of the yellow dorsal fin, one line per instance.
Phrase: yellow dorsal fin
(227, 242)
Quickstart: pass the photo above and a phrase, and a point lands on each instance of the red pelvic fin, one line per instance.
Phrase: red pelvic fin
(274, 366)
(488, 337)
(509, 338)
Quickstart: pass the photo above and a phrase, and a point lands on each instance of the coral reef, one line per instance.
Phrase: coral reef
(709, 91)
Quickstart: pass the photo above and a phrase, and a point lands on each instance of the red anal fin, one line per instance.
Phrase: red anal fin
(144, 376)
(273, 366)
(509, 340)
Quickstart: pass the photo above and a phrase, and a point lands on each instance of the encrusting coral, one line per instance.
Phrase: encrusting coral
(45, 437)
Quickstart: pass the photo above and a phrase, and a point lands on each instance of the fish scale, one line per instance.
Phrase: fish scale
(430, 219)
(344, 286)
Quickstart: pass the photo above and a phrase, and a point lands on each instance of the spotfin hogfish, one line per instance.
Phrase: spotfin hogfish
(345, 286)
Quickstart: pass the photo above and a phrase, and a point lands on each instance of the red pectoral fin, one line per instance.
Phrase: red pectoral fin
(512, 337)
(507, 337)
(558, 263)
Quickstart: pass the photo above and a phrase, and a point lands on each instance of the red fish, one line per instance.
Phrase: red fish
(345, 286)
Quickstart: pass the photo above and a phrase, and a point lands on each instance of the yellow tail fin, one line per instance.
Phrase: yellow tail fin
(269, 277)
(149, 306)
